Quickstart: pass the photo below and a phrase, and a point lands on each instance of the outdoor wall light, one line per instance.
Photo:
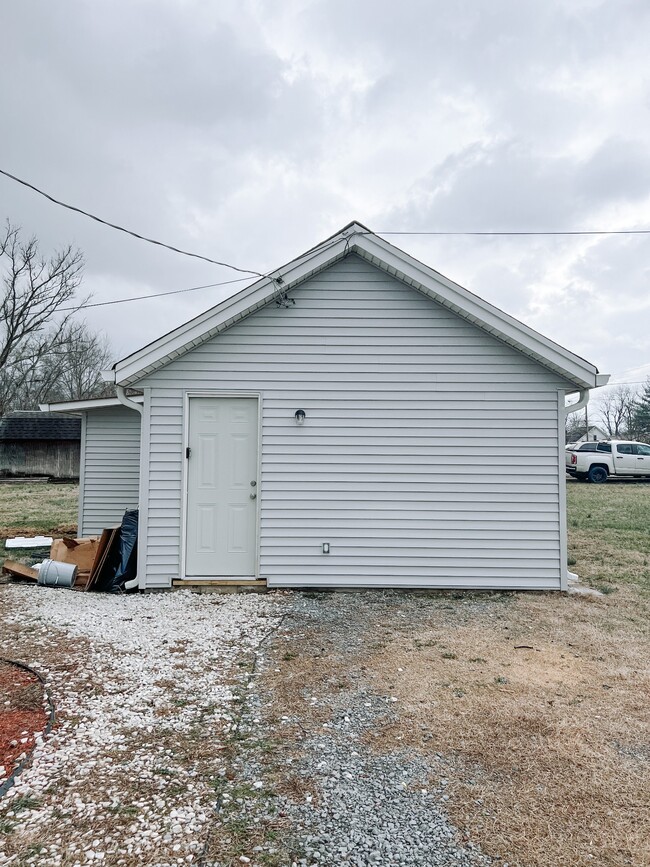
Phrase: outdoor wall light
(300, 416)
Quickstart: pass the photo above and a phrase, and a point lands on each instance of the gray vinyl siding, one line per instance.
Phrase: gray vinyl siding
(110, 467)
(429, 457)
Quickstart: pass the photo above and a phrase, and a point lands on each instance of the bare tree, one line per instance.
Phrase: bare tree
(72, 372)
(79, 368)
(574, 426)
(43, 349)
(617, 408)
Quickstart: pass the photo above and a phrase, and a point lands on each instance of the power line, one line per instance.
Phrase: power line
(179, 291)
(154, 295)
(127, 231)
(513, 234)
(258, 274)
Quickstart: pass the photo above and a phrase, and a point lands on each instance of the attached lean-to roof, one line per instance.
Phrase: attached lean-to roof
(356, 238)
(77, 406)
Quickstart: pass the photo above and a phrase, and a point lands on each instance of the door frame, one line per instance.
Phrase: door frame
(217, 393)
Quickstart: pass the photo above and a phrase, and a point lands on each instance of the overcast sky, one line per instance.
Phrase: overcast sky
(250, 130)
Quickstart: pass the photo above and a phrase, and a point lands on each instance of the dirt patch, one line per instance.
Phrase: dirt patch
(22, 716)
(7, 532)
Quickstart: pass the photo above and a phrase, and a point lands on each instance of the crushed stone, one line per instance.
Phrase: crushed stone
(355, 806)
(143, 688)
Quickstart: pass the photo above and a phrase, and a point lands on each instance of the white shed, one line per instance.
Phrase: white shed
(353, 420)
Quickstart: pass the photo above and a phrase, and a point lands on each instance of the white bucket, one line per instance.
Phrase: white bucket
(55, 574)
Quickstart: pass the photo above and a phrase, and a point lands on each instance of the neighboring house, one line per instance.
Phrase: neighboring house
(39, 444)
(353, 420)
(595, 434)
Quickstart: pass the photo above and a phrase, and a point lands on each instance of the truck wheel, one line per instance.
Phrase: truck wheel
(597, 475)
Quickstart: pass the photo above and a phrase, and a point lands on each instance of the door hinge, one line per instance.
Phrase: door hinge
(188, 452)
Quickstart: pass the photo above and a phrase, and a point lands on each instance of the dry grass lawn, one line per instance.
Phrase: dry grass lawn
(542, 703)
(541, 706)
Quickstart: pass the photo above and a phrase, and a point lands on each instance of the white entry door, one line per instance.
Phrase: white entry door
(221, 487)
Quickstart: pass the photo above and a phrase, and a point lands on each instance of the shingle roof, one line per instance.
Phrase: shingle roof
(39, 426)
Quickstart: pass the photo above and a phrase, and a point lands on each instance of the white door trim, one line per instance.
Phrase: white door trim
(187, 396)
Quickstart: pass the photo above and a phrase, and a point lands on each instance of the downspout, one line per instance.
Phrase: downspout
(130, 404)
(574, 407)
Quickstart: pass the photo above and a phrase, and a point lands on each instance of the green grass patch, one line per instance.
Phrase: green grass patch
(25, 802)
(624, 506)
(28, 509)
(609, 534)
(37, 508)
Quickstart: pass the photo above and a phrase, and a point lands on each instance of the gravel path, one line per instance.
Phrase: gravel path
(144, 689)
(331, 798)
(374, 809)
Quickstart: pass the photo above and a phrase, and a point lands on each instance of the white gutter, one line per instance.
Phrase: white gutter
(123, 399)
(566, 575)
(76, 406)
(581, 404)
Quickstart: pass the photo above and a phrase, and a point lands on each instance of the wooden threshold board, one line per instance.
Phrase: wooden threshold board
(216, 582)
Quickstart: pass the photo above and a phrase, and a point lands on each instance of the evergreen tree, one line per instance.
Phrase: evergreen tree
(641, 418)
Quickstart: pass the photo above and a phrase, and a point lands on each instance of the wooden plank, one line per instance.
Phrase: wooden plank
(239, 582)
(81, 581)
(110, 558)
(101, 547)
(41, 480)
(105, 544)
(19, 570)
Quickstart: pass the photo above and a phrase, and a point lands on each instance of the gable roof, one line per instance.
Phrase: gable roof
(356, 238)
(39, 426)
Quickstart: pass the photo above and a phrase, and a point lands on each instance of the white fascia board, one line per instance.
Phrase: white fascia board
(83, 405)
(474, 309)
(356, 238)
(206, 325)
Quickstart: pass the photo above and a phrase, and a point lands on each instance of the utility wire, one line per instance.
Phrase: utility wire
(576, 232)
(126, 231)
(276, 281)
(258, 274)
(153, 295)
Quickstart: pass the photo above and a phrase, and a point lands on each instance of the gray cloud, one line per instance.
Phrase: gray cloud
(250, 131)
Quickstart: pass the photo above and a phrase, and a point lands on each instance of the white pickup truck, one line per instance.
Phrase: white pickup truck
(595, 462)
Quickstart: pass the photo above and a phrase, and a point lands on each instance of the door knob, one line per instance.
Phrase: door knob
(253, 496)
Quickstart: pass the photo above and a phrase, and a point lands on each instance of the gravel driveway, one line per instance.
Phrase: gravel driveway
(187, 733)
(327, 785)
(144, 689)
